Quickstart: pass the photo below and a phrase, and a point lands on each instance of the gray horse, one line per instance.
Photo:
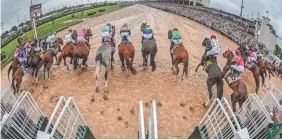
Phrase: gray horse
(103, 57)
(149, 47)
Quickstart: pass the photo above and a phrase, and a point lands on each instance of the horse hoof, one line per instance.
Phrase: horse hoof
(123, 69)
(92, 100)
(106, 90)
(97, 89)
(112, 68)
(206, 103)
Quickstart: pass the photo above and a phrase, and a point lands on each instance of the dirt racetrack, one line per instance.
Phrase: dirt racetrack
(115, 114)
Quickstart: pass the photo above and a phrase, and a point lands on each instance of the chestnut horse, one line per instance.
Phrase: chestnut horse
(67, 51)
(17, 77)
(240, 92)
(47, 59)
(126, 53)
(180, 55)
(81, 51)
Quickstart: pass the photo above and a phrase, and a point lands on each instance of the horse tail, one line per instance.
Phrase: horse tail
(219, 87)
(10, 68)
(262, 77)
(128, 63)
(185, 68)
(75, 61)
(13, 84)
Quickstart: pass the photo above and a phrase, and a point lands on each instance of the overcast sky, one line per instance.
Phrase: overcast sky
(11, 8)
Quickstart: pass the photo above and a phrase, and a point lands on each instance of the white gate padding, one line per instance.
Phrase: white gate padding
(24, 120)
(141, 127)
(8, 100)
(219, 122)
(70, 123)
(273, 99)
(153, 125)
(254, 117)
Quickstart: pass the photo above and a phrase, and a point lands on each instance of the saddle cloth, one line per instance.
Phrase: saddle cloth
(232, 77)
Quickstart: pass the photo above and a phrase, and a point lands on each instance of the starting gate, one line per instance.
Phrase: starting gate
(24, 120)
(273, 100)
(66, 122)
(8, 100)
(254, 117)
(141, 127)
(219, 123)
(153, 126)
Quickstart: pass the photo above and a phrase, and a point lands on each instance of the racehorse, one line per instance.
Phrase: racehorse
(15, 62)
(180, 55)
(240, 92)
(263, 65)
(149, 47)
(127, 52)
(103, 57)
(17, 77)
(210, 59)
(254, 69)
(67, 50)
(47, 59)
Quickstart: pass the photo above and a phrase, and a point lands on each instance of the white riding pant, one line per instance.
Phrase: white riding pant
(81, 39)
(68, 39)
(124, 34)
(238, 68)
(214, 52)
(147, 36)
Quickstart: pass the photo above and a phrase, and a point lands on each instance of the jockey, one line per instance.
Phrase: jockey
(27, 46)
(125, 32)
(175, 38)
(38, 46)
(82, 37)
(51, 39)
(252, 55)
(214, 48)
(68, 37)
(147, 33)
(22, 56)
(239, 62)
(107, 32)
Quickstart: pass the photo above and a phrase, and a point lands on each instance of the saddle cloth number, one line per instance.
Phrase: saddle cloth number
(232, 78)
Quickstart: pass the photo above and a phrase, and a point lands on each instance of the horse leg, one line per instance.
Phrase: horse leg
(132, 57)
(256, 77)
(152, 61)
(219, 87)
(198, 67)
(106, 76)
(98, 66)
(44, 69)
(49, 68)
(171, 56)
(71, 59)
(65, 62)
(144, 59)
(233, 102)
(121, 56)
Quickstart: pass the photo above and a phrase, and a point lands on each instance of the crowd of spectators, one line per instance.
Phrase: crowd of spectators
(239, 30)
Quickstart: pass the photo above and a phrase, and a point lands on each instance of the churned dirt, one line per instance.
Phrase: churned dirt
(115, 114)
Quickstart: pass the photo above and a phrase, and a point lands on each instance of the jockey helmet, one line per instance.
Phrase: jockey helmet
(147, 25)
(108, 24)
(125, 25)
(213, 36)
(237, 52)
(175, 29)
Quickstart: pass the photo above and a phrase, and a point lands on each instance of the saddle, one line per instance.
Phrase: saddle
(40, 54)
(125, 41)
(210, 60)
(232, 77)
(109, 41)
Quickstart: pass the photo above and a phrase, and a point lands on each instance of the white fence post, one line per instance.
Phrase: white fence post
(153, 124)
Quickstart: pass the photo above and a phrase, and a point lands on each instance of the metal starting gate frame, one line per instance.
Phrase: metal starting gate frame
(254, 117)
(24, 120)
(67, 122)
(8, 100)
(220, 122)
(152, 132)
(273, 99)
(141, 126)
(153, 124)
